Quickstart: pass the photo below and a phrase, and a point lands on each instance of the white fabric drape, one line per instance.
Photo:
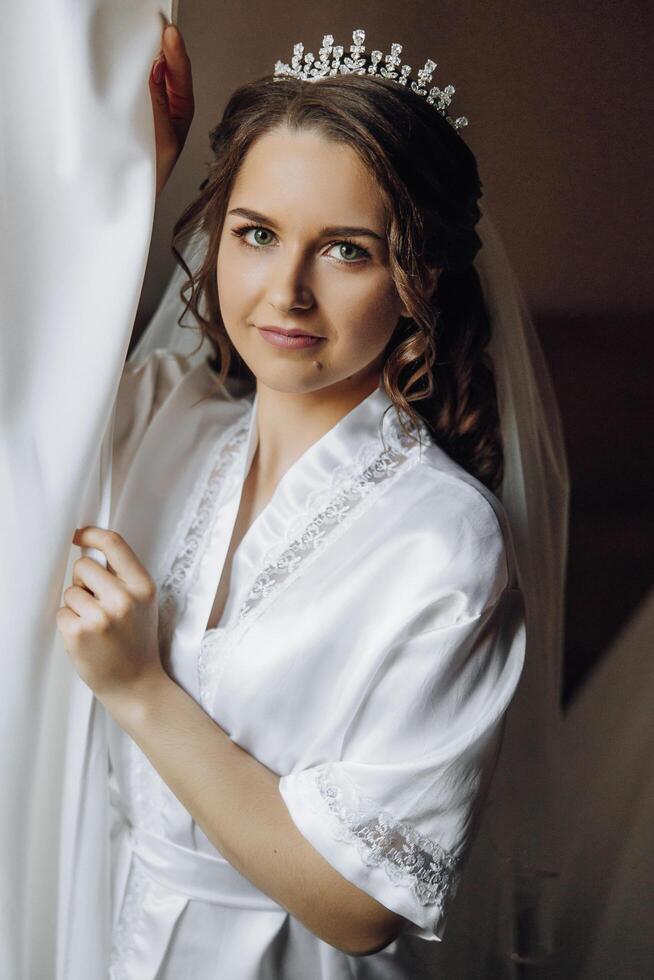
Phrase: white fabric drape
(76, 206)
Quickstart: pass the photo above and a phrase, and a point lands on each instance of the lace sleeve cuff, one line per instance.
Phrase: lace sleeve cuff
(385, 857)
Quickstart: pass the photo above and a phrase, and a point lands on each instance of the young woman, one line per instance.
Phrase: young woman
(310, 626)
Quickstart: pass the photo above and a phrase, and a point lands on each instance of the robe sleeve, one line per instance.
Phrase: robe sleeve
(396, 812)
(142, 390)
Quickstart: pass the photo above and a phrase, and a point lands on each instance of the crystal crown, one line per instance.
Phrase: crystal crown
(331, 61)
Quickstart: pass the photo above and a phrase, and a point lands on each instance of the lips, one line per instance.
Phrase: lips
(290, 333)
(288, 340)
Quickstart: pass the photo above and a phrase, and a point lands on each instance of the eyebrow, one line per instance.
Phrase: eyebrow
(324, 232)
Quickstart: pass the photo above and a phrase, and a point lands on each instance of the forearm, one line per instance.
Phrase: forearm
(235, 799)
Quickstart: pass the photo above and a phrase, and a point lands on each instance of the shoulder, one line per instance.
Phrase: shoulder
(148, 383)
(162, 359)
(163, 387)
(450, 532)
(465, 505)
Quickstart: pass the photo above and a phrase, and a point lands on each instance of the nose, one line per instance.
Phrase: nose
(289, 288)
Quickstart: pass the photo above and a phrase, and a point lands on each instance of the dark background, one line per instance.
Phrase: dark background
(558, 98)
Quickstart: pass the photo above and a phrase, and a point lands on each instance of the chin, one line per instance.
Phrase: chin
(296, 380)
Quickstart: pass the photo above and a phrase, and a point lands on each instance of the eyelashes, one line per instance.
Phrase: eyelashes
(243, 229)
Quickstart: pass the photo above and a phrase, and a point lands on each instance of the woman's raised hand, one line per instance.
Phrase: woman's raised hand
(171, 90)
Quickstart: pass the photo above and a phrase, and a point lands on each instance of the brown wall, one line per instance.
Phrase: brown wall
(558, 96)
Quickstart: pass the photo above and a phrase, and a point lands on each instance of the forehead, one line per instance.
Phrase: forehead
(293, 175)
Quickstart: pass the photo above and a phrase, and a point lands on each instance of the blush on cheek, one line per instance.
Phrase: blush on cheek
(369, 339)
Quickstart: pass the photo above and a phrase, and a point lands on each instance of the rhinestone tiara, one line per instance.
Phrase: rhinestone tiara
(308, 68)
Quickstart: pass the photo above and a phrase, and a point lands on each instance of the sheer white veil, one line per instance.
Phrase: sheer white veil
(163, 331)
(524, 820)
(521, 823)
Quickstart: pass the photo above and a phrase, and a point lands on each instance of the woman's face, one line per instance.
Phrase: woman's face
(297, 268)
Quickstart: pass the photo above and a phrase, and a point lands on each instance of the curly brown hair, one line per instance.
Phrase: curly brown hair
(436, 366)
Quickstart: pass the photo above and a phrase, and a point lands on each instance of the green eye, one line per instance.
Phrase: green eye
(258, 230)
(261, 231)
(353, 249)
(353, 257)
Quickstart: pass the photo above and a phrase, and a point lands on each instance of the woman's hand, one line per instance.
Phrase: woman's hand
(110, 621)
(171, 91)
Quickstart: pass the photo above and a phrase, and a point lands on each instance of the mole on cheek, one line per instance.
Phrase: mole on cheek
(318, 364)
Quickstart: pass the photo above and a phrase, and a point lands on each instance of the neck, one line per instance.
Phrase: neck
(288, 423)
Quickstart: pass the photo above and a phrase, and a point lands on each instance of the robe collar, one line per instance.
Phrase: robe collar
(312, 481)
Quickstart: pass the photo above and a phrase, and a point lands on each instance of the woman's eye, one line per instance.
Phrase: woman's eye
(258, 232)
(349, 252)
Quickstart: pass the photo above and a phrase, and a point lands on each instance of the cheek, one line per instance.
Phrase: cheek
(369, 316)
(234, 286)
(226, 271)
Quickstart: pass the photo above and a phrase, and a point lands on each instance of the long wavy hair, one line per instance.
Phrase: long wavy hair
(435, 367)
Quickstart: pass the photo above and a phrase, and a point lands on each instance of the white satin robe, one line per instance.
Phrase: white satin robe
(371, 642)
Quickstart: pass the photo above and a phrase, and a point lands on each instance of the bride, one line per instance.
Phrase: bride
(311, 623)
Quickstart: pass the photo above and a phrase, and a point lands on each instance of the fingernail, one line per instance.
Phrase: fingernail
(157, 71)
(177, 35)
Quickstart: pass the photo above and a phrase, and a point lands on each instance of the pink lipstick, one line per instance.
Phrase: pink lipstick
(289, 341)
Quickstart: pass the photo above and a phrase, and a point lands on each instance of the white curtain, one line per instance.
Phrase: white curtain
(77, 175)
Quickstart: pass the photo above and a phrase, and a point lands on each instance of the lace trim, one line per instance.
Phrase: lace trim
(330, 506)
(338, 513)
(410, 859)
(129, 922)
(176, 571)
(173, 577)
(317, 500)
(180, 564)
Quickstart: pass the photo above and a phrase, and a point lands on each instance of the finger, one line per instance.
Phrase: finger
(108, 592)
(123, 560)
(83, 604)
(157, 72)
(158, 88)
(67, 621)
(178, 79)
(167, 139)
(98, 581)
